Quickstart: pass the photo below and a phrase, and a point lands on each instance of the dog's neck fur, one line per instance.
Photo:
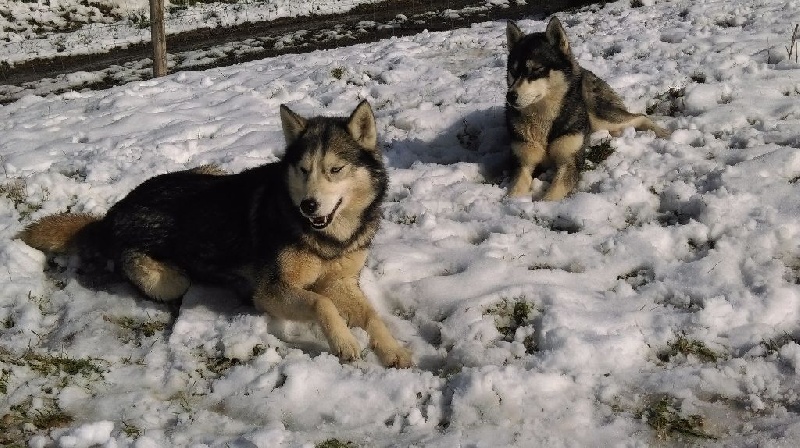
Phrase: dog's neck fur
(534, 121)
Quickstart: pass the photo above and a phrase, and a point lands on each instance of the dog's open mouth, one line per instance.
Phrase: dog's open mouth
(320, 222)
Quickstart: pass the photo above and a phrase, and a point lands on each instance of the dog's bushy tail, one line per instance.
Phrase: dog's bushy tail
(63, 233)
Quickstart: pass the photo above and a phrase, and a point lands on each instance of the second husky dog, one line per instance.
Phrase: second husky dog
(295, 232)
(552, 106)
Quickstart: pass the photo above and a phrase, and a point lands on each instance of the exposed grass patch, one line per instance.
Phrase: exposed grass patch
(50, 365)
(50, 418)
(665, 419)
(39, 413)
(541, 266)
(131, 431)
(55, 364)
(22, 422)
(511, 315)
(698, 77)
(4, 375)
(134, 330)
(16, 191)
(104, 9)
(406, 220)
(258, 350)
(218, 365)
(337, 72)
(669, 103)
(774, 345)
(686, 347)
(335, 443)
(598, 153)
(638, 277)
(140, 20)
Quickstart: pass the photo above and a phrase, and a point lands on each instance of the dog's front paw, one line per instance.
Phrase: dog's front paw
(346, 347)
(394, 356)
(518, 191)
(661, 132)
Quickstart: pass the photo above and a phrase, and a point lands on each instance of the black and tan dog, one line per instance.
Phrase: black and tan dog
(552, 106)
(295, 232)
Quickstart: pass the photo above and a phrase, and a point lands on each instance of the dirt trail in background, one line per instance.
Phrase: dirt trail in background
(366, 23)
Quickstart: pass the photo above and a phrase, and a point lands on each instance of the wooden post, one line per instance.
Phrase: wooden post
(158, 38)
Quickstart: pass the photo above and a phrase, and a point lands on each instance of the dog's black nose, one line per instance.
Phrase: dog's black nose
(511, 97)
(309, 206)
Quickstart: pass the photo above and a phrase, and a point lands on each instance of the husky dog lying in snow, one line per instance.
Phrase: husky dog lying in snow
(552, 106)
(295, 232)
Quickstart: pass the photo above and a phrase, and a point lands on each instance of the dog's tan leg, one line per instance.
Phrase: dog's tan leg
(287, 297)
(527, 155)
(289, 302)
(340, 283)
(354, 306)
(640, 122)
(644, 123)
(564, 152)
(155, 279)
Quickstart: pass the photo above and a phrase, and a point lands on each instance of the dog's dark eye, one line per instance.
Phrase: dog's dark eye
(336, 169)
(304, 171)
(538, 72)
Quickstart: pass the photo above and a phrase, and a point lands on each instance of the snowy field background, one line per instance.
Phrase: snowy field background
(658, 305)
(47, 28)
(67, 27)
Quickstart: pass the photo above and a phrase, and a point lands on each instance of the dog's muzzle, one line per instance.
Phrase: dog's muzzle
(308, 207)
(511, 98)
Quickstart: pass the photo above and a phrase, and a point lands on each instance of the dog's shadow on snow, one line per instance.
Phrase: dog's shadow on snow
(477, 137)
(99, 275)
(203, 302)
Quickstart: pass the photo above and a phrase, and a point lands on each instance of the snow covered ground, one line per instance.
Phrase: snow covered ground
(657, 305)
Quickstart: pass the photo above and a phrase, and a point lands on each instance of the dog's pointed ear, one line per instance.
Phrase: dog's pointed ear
(557, 36)
(293, 124)
(361, 126)
(513, 34)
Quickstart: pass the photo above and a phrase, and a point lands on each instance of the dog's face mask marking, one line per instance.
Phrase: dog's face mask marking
(536, 63)
(318, 186)
(327, 180)
(528, 83)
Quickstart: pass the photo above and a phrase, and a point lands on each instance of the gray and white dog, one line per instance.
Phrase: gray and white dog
(553, 105)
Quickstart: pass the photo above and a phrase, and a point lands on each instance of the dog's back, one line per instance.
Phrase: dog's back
(607, 111)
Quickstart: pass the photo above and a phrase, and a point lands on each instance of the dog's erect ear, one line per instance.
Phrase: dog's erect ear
(513, 34)
(557, 36)
(293, 124)
(361, 126)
